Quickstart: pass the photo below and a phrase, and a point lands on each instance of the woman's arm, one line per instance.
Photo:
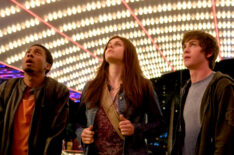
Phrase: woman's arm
(155, 121)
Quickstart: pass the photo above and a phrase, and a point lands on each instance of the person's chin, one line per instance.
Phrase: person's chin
(186, 64)
(113, 60)
(28, 70)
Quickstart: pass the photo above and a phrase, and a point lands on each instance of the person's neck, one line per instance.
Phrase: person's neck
(33, 80)
(199, 74)
(115, 75)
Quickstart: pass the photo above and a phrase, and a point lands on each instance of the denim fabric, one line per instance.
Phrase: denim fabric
(135, 144)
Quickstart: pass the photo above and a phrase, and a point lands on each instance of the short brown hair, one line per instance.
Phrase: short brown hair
(207, 42)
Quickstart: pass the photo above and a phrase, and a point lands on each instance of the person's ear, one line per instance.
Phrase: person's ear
(209, 54)
(48, 66)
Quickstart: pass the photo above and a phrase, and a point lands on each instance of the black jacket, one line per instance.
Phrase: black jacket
(48, 120)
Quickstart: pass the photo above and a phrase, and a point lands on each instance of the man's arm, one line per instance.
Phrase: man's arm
(54, 140)
(224, 132)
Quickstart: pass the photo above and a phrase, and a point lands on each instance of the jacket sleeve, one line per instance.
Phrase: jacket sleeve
(155, 121)
(54, 140)
(224, 127)
(2, 109)
(80, 118)
(80, 121)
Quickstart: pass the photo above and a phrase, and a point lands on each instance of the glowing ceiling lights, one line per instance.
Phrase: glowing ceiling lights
(92, 23)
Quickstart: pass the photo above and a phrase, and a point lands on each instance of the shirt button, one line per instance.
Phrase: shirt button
(120, 97)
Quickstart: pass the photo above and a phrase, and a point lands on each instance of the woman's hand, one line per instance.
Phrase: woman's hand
(87, 135)
(126, 127)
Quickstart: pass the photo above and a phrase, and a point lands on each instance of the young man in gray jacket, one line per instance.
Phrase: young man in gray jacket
(206, 120)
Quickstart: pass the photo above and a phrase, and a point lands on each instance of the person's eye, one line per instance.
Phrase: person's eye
(118, 44)
(108, 45)
(38, 52)
(193, 44)
(27, 52)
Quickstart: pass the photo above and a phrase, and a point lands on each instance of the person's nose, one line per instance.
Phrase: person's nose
(29, 54)
(110, 46)
(185, 49)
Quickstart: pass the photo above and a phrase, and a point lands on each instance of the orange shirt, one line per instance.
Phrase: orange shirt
(22, 125)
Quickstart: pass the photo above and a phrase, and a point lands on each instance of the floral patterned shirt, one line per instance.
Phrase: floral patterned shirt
(107, 141)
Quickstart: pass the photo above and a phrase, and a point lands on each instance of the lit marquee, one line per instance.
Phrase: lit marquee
(77, 31)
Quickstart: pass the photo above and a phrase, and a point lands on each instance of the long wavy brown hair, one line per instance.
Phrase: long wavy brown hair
(134, 83)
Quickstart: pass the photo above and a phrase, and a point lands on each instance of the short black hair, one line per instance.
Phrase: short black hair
(49, 58)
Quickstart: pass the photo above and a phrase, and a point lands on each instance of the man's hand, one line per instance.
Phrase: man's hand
(126, 127)
(87, 135)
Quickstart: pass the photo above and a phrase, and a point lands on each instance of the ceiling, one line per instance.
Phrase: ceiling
(76, 31)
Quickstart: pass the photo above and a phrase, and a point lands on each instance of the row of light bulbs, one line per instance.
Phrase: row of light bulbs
(227, 51)
(38, 3)
(102, 4)
(26, 40)
(19, 27)
(167, 6)
(223, 3)
(146, 22)
(36, 36)
(69, 60)
(17, 57)
(78, 58)
(60, 42)
(229, 40)
(120, 14)
(44, 34)
(85, 22)
(53, 16)
(70, 68)
(78, 9)
(8, 11)
(145, 10)
(85, 8)
(76, 76)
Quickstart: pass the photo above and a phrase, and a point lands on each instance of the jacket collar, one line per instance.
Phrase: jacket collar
(210, 89)
(23, 86)
(35, 90)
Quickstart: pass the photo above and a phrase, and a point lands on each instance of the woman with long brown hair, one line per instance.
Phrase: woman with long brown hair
(119, 107)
